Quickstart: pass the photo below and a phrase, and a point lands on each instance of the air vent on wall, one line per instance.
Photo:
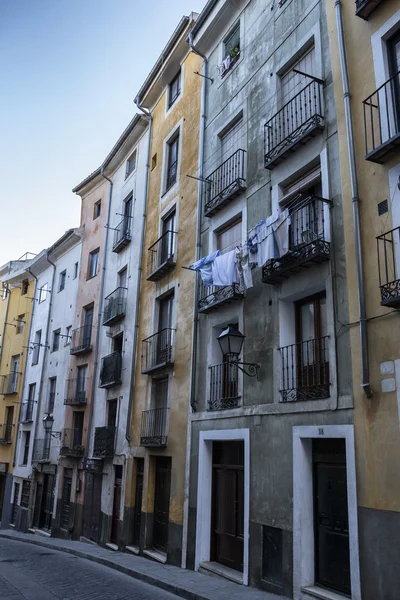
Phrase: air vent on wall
(383, 207)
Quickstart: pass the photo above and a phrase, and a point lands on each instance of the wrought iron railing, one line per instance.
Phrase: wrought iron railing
(364, 8)
(111, 368)
(228, 180)
(27, 411)
(297, 120)
(154, 427)
(214, 295)
(115, 306)
(76, 391)
(161, 256)
(308, 239)
(157, 350)
(382, 121)
(104, 438)
(122, 234)
(9, 383)
(388, 247)
(6, 433)
(41, 449)
(224, 388)
(81, 340)
(305, 370)
(71, 442)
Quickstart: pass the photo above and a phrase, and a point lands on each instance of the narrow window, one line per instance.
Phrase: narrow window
(130, 164)
(7, 434)
(231, 50)
(174, 89)
(27, 440)
(292, 83)
(20, 323)
(154, 162)
(56, 340)
(231, 141)
(62, 279)
(25, 492)
(97, 209)
(172, 161)
(43, 292)
(25, 287)
(68, 332)
(76, 265)
(29, 405)
(230, 237)
(81, 383)
(112, 413)
(168, 237)
(78, 429)
(52, 394)
(93, 263)
(36, 347)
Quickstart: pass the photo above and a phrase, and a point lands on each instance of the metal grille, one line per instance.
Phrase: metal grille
(154, 427)
(157, 350)
(383, 207)
(104, 442)
(111, 367)
(115, 306)
(226, 181)
(223, 386)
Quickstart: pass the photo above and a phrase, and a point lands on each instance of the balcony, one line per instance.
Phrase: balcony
(211, 297)
(115, 306)
(111, 367)
(71, 443)
(308, 244)
(364, 8)
(9, 383)
(122, 234)
(6, 434)
(388, 246)
(41, 449)
(104, 442)
(224, 391)
(305, 370)
(382, 121)
(157, 351)
(154, 427)
(75, 391)
(226, 182)
(81, 340)
(27, 412)
(291, 127)
(161, 257)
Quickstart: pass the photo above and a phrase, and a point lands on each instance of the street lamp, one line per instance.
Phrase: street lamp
(48, 421)
(231, 342)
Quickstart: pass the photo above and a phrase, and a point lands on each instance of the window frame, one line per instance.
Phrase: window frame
(56, 336)
(20, 324)
(26, 448)
(93, 253)
(174, 140)
(128, 168)
(76, 270)
(68, 336)
(52, 390)
(178, 80)
(62, 279)
(96, 210)
(43, 293)
(36, 348)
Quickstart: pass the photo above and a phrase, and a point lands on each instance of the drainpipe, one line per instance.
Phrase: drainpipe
(4, 324)
(139, 280)
(365, 384)
(101, 301)
(192, 407)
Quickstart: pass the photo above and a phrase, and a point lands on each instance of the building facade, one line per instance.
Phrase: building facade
(156, 475)
(368, 33)
(265, 449)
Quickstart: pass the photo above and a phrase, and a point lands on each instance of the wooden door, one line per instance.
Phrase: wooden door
(116, 514)
(332, 549)
(66, 498)
(137, 515)
(46, 507)
(161, 503)
(92, 506)
(227, 519)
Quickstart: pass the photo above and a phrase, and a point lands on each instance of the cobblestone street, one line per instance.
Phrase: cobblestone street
(28, 572)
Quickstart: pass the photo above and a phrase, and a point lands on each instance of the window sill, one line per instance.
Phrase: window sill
(171, 189)
(92, 277)
(231, 70)
(315, 591)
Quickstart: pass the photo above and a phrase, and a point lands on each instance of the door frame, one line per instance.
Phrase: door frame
(204, 494)
(303, 507)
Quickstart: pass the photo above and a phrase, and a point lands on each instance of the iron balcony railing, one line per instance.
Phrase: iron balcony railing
(364, 8)
(115, 306)
(157, 351)
(161, 256)
(213, 296)
(81, 340)
(6, 433)
(122, 234)
(154, 427)
(224, 389)
(9, 383)
(382, 121)
(227, 181)
(305, 370)
(111, 368)
(41, 449)
(27, 411)
(76, 391)
(308, 239)
(388, 247)
(104, 438)
(299, 119)
(71, 442)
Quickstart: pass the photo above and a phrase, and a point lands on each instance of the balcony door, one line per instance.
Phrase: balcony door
(78, 428)
(92, 506)
(161, 503)
(312, 347)
(394, 71)
(164, 338)
(81, 383)
(168, 239)
(12, 384)
(87, 326)
(116, 514)
(9, 423)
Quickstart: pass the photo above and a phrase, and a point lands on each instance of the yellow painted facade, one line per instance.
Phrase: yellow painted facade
(376, 419)
(181, 198)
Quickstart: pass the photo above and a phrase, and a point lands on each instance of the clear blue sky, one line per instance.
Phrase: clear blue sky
(69, 72)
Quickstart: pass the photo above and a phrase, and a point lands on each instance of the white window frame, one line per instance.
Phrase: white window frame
(128, 173)
(170, 108)
(165, 194)
(62, 279)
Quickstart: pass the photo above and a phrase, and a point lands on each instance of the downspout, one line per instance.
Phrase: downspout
(192, 407)
(101, 300)
(365, 384)
(4, 324)
(139, 282)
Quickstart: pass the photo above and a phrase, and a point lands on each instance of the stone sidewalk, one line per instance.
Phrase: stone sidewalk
(184, 583)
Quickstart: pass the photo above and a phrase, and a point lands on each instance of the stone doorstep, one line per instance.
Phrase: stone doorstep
(133, 549)
(155, 555)
(323, 594)
(111, 546)
(214, 568)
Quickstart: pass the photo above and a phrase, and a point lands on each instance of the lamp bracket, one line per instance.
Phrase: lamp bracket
(55, 434)
(250, 369)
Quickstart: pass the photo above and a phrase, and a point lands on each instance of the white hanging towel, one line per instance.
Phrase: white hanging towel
(243, 267)
(266, 246)
(281, 231)
(224, 269)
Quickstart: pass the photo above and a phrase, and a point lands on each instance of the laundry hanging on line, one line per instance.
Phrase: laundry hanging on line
(225, 269)
(270, 238)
